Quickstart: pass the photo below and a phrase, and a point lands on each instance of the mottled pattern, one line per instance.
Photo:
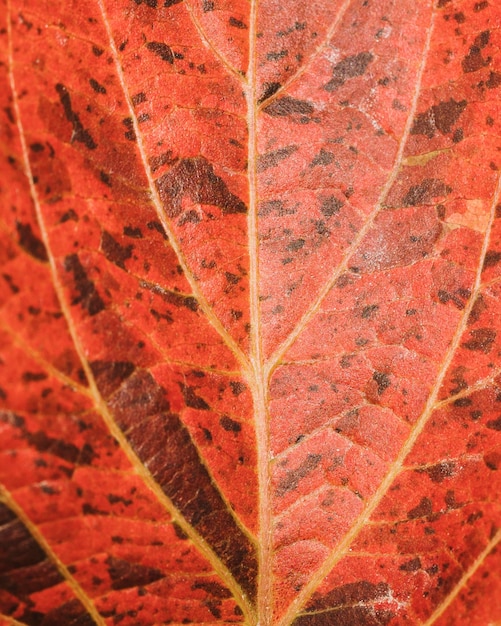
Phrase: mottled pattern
(249, 312)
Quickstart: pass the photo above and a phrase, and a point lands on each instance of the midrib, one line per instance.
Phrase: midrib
(259, 382)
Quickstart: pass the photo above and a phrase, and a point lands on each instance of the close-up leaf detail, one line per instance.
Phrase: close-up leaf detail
(250, 321)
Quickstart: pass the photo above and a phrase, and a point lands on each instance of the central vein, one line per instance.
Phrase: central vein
(259, 382)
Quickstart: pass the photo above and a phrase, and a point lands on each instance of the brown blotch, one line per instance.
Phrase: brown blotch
(30, 243)
(291, 480)
(350, 67)
(423, 509)
(164, 445)
(196, 179)
(237, 387)
(115, 252)
(269, 90)
(441, 117)
(97, 87)
(88, 296)
(481, 340)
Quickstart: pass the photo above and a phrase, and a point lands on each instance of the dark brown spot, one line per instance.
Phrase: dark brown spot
(196, 179)
(98, 88)
(348, 68)
(139, 98)
(88, 296)
(125, 575)
(286, 106)
(494, 424)
(291, 480)
(382, 380)
(480, 6)
(269, 90)
(164, 445)
(441, 117)
(115, 252)
(30, 243)
(237, 387)
(237, 23)
(230, 425)
(474, 61)
(324, 157)
(423, 509)
(411, 566)
(438, 473)
(272, 159)
(79, 133)
(192, 400)
(492, 258)
(481, 340)
(134, 233)
(162, 50)
(425, 192)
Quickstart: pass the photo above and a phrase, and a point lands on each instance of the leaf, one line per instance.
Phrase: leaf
(249, 298)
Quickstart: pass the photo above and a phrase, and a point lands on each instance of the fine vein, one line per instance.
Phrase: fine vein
(157, 203)
(99, 403)
(397, 466)
(275, 358)
(44, 545)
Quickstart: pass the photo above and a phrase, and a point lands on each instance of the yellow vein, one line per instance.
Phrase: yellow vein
(99, 403)
(258, 381)
(212, 47)
(87, 603)
(301, 70)
(157, 203)
(398, 464)
(10, 621)
(479, 561)
(287, 343)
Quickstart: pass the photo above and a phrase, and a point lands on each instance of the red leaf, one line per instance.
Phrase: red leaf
(249, 297)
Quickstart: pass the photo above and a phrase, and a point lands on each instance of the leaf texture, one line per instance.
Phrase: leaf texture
(249, 312)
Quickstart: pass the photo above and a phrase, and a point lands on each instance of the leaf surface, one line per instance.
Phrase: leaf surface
(249, 323)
